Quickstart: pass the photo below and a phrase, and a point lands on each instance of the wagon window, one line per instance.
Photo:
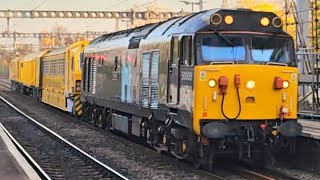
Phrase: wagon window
(72, 63)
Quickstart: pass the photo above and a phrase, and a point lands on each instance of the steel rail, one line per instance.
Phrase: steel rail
(34, 164)
(280, 175)
(65, 141)
(251, 174)
(257, 175)
(5, 84)
(214, 176)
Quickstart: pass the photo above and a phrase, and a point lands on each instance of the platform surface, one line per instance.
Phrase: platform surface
(311, 128)
(13, 166)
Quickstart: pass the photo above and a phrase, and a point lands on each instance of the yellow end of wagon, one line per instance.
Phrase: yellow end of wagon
(14, 71)
(62, 77)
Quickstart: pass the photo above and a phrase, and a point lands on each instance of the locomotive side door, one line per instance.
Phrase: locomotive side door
(173, 72)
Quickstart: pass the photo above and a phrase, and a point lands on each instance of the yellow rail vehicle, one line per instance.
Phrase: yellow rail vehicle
(14, 73)
(61, 75)
(29, 74)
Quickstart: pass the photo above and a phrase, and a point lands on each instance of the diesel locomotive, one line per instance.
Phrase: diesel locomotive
(214, 82)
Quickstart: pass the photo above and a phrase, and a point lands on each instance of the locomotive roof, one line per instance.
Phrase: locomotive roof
(189, 24)
(156, 29)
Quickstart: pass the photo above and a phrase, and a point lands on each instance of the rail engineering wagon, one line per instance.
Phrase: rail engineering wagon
(52, 76)
(217, 81)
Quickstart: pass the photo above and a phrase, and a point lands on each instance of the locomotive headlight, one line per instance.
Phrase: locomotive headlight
(276, 22)
(228, 19)
(216, 19)
(285, 84)
(265, 21)
(250, 85)
(212, 83)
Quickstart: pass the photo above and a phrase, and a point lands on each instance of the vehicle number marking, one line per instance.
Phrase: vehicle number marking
(186, 76)
(294, 77)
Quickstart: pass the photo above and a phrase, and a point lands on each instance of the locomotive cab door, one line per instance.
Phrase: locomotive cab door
(173, 71)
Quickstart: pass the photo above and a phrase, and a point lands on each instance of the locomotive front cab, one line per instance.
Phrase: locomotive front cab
(246, 79)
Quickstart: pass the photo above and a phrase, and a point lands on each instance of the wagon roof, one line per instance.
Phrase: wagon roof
(17, 58)
(33, 56)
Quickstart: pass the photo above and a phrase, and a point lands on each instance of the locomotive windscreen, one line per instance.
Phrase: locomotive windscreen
(246, 48)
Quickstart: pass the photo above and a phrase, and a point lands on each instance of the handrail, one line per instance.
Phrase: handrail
(276, 63)
(222, 62)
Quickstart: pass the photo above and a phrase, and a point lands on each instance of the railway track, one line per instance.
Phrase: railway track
(239, 172)
(5, 83)
(51, 155)
(265, 174)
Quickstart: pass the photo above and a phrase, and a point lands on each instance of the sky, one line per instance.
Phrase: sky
(81, 25)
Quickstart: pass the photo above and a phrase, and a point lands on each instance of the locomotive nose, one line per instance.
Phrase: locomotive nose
(245, 92)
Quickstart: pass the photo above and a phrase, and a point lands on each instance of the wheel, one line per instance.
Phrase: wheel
(34, 93)
(93, 117)
(101, 119)
(21, 90)
(87, 112)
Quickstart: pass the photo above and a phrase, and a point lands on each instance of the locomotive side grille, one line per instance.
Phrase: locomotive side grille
(88, 65)
(145, 80)
(84, 75)
(93, 74)
(154, 80)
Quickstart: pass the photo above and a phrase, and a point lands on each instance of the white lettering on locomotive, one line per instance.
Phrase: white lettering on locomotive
(186, 76)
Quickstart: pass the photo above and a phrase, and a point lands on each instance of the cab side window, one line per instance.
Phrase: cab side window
(175, 49)
(186, 49)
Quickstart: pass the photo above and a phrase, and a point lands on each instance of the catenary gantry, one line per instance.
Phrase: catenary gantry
(89, 14)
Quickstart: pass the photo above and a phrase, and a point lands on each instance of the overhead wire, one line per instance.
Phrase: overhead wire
(142, 5)
(4, 23)
(39, 5)
(139, 6)
(112, 6)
